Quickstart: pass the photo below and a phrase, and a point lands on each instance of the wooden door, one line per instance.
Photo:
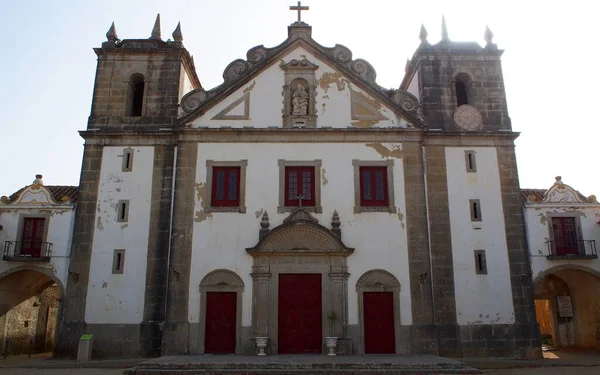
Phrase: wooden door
(378, 310)
(33, 235)
(220, 322)
(565, 235)
(300, 314)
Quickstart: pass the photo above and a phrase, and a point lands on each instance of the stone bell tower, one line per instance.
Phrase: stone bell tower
(138, 86)
(460, 84)
(139, 82)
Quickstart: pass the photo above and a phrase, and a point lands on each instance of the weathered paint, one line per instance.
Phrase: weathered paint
(480, 299)
(119, 298)
(376, 236)
(333, 104)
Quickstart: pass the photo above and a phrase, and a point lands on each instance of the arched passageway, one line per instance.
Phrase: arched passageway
(568, 307)
(29, 310)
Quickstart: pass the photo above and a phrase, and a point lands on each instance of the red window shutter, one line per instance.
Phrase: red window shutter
(226, 186)
(300, 181)
(373, 186)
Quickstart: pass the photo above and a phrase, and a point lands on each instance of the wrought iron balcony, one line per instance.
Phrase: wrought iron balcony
(27, 251)
(586, 249)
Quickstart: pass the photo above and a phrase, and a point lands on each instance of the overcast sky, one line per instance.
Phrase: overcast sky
(550, 65)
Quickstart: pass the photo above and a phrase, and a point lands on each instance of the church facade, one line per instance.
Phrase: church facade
(299, 200)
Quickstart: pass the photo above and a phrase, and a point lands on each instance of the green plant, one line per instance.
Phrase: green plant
(333, 317)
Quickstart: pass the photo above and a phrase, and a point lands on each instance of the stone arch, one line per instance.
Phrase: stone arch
(581, 284)
(379, 280)
(20, 283)
(300, 238)
(575, 267)
(222, 277)
(221, 281)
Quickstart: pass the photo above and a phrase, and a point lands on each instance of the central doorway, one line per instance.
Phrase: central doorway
(299, 313)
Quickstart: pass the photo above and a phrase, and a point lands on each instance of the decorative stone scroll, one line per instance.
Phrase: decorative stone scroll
(561, 193)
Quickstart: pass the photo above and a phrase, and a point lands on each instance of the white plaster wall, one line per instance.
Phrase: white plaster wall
(119, 298)
(266, 99)
(538, 232)
(413, 86)
(480, 299)
(220, 240)
(185, 84)
(60, 229)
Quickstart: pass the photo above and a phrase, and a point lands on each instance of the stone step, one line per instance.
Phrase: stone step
(465, 370)
(300, 365)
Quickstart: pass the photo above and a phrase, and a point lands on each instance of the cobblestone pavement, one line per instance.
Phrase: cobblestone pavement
(595, 370)
(515, 371)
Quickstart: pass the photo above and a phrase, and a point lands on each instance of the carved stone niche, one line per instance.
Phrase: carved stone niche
(299, 93)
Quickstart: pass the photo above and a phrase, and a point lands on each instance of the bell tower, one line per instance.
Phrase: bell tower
(459, 84)
(139, 82)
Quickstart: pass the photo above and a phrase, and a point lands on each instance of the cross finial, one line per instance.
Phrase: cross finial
(300, 197)
(299, 8)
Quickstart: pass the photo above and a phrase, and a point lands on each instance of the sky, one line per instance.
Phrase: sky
(47, 67)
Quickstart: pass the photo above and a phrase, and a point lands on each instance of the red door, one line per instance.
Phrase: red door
(300, 314)
(379, 323)
(33, 235)
(220, 322)
(565, 235)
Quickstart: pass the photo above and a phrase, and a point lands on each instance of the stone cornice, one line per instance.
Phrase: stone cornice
(284, 135)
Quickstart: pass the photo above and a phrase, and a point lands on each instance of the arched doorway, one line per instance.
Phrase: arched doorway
(567, 306)
(29, 310)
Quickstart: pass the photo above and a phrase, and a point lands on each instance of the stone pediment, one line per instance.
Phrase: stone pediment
(300, 233)
(359, 71)
(561, 193)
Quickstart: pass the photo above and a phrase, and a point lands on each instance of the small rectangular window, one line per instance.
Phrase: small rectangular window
(226, 187)
(118, 261)
(475, 209)
(122, 211)
(470, 161)
(127, 160)
(480, 262)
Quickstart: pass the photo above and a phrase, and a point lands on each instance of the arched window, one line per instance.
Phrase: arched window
(461, 86)
(135, 95)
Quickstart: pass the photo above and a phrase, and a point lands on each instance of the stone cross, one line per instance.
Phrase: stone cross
(299, 8)
(300, 197)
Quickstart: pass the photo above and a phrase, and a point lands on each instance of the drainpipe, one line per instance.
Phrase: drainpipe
(174, 174)
(428, 232)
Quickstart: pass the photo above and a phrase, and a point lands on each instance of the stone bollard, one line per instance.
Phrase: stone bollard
(84, 351)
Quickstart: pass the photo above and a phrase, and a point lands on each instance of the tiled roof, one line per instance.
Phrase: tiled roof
(57, 191)
(538, 193)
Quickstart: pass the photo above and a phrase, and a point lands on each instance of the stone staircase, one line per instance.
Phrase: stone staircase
(301, 365)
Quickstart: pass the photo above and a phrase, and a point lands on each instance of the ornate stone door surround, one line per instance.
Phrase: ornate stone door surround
(299, 245)
(378, 281)
(221, 280)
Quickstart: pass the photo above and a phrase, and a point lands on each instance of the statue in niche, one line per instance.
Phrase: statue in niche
(300, 101)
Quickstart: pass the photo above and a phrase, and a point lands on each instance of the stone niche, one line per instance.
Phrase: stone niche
(299, 92)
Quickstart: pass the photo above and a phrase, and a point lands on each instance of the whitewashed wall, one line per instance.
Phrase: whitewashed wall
(266, 100)
(480, 299)
(60, 229)
(119, 298)
(538, 232)
(220, 239)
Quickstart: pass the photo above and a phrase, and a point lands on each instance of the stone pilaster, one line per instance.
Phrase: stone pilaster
(526, 329)
(261, 278)
(442, 272)
(72, 324)
(158, 252)
(176, 328)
